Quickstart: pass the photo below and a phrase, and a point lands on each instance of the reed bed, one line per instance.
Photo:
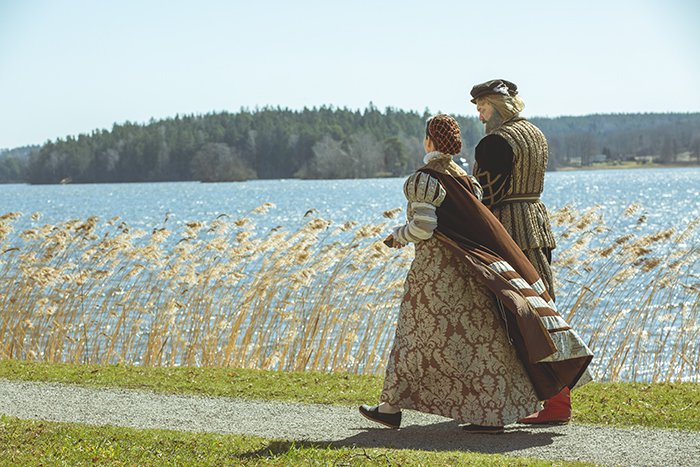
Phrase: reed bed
(322, 297)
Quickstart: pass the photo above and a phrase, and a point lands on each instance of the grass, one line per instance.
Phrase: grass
(208, 308)
(218, 294)
(614, 165)
(308, 387)
(324, 298)
(661, 405)
(628, 165)
(43, 443)
(667, 405)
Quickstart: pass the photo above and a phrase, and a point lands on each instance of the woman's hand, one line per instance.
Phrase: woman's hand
(391, 242)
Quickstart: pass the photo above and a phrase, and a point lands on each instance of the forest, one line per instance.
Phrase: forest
(323, 143)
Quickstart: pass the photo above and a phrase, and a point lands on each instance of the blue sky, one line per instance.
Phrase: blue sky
(68, 67)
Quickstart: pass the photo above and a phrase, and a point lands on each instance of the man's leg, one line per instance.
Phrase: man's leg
(556, 409)
(541, 259)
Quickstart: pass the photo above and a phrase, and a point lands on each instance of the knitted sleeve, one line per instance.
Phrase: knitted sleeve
(424, 193)
(494, 168)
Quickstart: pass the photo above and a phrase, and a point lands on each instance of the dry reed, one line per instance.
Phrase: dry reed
(323, 297)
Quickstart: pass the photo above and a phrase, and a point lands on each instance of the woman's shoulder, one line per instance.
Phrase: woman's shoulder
(422, 186)
(422, 177)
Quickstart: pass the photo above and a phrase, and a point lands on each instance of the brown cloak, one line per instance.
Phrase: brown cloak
(552, 353)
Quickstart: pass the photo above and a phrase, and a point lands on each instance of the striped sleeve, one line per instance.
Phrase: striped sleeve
(424, 194)
(420, 227)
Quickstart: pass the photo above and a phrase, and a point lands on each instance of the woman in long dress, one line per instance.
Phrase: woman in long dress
(475, 326)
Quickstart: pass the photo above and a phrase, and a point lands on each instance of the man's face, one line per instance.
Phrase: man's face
(485, 109)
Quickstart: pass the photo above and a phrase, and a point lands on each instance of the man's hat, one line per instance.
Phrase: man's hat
(494, 86)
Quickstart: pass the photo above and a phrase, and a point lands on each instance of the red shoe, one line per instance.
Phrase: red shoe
(557, 410)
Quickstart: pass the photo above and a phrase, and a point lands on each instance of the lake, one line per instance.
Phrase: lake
(669, 197)
(664, 338)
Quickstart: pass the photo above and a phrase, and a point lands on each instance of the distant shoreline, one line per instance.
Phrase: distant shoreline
(593, 167)
(626, 165)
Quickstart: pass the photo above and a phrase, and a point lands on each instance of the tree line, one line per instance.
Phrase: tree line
(323, 142)
(663, 138)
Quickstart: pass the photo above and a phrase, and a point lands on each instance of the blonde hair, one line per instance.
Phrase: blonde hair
(507, 106)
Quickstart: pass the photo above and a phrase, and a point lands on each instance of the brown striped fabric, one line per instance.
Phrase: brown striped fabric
(540, 262)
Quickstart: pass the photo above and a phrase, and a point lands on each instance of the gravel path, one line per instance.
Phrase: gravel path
(341, 426)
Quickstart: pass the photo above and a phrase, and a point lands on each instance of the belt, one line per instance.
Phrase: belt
(521, 198)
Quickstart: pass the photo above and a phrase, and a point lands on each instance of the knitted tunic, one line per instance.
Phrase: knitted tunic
(513, 192)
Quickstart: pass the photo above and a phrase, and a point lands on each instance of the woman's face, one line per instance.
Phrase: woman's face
(428, 145)
(485, 109)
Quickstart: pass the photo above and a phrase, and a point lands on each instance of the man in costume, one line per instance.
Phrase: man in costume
(510, 165)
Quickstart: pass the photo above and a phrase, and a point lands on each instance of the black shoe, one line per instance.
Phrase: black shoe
(490, 430)
(392, 420)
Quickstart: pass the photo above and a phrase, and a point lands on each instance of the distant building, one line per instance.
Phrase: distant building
(644, 159)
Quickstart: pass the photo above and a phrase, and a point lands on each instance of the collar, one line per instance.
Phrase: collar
(435, 155)
(513, 119)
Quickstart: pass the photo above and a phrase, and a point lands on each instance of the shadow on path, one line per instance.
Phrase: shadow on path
(446, 436)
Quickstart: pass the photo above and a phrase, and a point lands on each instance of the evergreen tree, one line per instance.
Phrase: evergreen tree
(323, 142)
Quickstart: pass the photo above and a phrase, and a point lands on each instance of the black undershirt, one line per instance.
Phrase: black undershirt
(494, 157)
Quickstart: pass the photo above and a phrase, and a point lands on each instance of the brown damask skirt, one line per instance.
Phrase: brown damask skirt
(451, 354)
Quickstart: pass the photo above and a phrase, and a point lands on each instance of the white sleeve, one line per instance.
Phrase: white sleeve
(424, 194)
(420, 227)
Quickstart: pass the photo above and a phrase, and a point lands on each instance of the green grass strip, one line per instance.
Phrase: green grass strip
(25, 442)
(664, 405)
(308, 387)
